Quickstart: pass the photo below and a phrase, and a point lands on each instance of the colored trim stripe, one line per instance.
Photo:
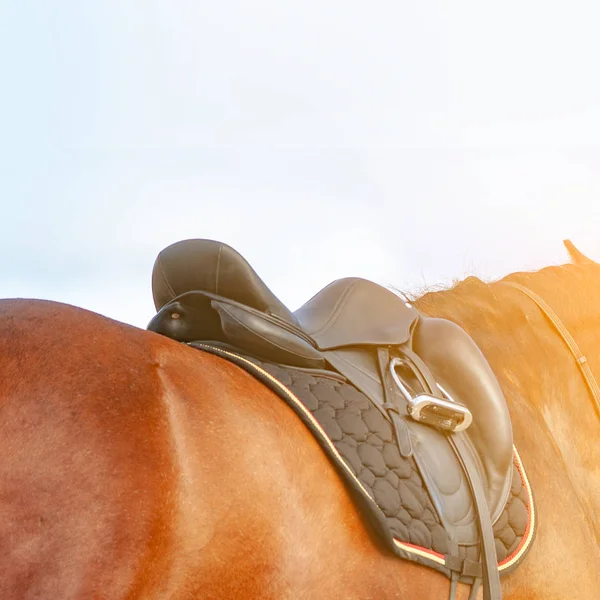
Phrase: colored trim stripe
(422, 552)
(529, 531)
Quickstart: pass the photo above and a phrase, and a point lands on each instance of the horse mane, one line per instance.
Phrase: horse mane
(571, 289)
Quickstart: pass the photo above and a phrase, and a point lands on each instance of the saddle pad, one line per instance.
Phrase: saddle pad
(360, 442)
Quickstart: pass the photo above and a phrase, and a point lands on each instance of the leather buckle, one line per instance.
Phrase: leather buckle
(443, 413)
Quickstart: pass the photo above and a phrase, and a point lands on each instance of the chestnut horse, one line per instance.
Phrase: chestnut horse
(134, 467)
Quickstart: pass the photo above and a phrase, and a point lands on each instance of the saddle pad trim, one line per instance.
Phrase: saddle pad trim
(512, 561)
(424, 556)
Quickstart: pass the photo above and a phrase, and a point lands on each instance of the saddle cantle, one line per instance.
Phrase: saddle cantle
(204, 290)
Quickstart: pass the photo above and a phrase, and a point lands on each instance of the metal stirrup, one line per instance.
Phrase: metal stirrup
(442, 413)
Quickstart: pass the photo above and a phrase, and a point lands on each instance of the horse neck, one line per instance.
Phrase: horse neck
(517, 338)
(550, 404)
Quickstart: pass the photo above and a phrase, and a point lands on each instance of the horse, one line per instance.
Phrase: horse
(135, 467)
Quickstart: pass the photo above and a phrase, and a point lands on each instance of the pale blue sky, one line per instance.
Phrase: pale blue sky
(411, 143)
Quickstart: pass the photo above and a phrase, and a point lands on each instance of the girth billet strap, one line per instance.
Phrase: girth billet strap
(491, 577)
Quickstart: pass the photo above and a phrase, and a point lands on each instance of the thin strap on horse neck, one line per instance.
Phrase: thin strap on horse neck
(580, 359)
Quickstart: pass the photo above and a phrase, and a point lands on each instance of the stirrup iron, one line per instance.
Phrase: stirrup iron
(446, 414)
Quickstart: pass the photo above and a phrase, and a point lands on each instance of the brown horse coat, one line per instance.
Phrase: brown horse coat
(133, 467)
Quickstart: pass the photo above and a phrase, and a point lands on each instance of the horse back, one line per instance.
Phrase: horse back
(134, 467)
(86, 460)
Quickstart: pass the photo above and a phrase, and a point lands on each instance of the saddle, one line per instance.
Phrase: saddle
(425, 375)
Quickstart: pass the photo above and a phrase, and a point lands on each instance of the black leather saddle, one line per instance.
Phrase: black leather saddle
(425, 374)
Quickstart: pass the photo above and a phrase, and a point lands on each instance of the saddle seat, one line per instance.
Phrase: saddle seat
(205, 290)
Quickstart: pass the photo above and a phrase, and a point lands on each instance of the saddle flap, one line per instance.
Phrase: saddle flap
(356, 312)
(455, 362)
(459, 366)
(446, 482)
